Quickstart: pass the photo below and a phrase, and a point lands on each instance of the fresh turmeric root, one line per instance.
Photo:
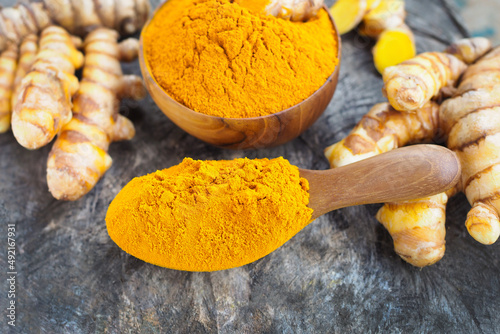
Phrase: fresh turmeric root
(77, 16)
(8, 64)
(411, 84)
(79, 156)
(383, 20)
(395, 40)
(383, 129)
(469, 50)
(293, 10)
(42, 104)
(28, 51)
(472, 121)
(417, 227)
(393, 46)
(20, 21)
(376, 15)
(426, 217)
(388, 14)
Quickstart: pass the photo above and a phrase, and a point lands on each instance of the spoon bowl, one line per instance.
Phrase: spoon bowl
(242, 133)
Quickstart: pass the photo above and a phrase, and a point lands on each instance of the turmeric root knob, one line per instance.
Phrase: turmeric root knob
(43, 100)
(469, 50)
(417, 228)
(411, 84)
(79, 156)
(293, 10)
(483, 223)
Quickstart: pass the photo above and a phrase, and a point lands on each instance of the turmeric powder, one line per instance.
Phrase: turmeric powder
(220, 59)
(210, 215)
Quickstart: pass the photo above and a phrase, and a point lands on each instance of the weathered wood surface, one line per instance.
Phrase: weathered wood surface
(339, 275)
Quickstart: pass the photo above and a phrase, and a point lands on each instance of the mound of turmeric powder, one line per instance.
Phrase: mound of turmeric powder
(221, 59)
(210, 215)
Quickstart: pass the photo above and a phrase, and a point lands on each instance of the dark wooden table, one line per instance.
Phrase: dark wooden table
(339, 275)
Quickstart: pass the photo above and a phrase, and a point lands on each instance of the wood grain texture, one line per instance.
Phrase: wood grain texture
(339, 275)
(406, 173)
(243, 133)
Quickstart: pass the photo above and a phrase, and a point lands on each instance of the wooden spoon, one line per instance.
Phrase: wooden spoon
(403, 174)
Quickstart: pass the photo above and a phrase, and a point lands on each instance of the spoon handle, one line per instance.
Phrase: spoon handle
(403, 174)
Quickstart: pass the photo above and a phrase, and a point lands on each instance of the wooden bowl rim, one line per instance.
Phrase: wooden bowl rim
(149, 75)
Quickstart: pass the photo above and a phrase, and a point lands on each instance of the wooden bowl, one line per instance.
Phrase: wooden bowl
(242, 133)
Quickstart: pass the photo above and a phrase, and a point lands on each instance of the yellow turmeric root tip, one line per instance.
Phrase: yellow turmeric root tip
(372, 4)
(348, 14)
(417, 228)
(483, 223)
(472, 121)
(384, 20)
(293, 10)
(393, 46)
(79, 156)
(28, 51)
(8, 64)
(43, 100)
(411, 84)
(384, 129)
(388, 14)
(469, 50)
